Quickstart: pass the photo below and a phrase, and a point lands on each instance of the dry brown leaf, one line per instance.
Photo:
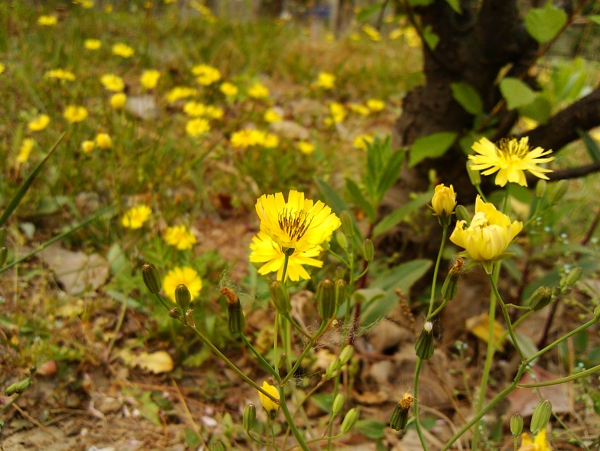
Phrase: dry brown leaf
(156, 362)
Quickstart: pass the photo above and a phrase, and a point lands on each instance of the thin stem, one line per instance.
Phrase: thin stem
(297, 326)
(416, 405)
(290, 420)
(260, 358)
(435, 271)
(304, 352)
(509, 326)
(561, 380)
(437, 310)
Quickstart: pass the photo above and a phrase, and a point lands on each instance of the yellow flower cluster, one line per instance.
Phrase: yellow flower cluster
(75, 113)
(122, 50)
(135, 217)
(325, 80)
(39, 123)
(48, 21)
(149, 78)
(60, 74)
(180, 237)
(248, 138)
(92, 44)
(179, 93)
(196, 127)
(229, 89)
(112, 82)
(206, 75)
(360, 142)
(258, 91)
(25, 150)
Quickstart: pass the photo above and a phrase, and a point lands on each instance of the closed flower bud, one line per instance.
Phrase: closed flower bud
(450, 286)
(183, 297)
(338, 403)
(341, 291)
(341, 239)
(280, 297)
(443, 203)
(334, 365)
(516, 424)
(424, 345)
(175, 313)
(540, 298)
(462, 214)
(249, 417)
(151, 278)
(541, 416)
(597, 313)
(573, 276)
(237, 320)
(346, 355)
(268, 404)
(347, 223)
(350, 420)
(399, 416)
(11, 389)
(474, 175)
(368, 250)
(558, 191)
(3, 254)
(540, 188)
(326, 299)
(22, 385)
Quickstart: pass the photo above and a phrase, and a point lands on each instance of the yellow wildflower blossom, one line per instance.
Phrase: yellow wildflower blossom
(206, 75)
(229, 89)
(539, 444)
(39, 123)
(258, 91)
(306, 147)
(247, 138)
(87, 146)
(182, 276)
(48, 21)
(180, 92)
(60, 74)
(197, 127)
(118, 100)
(265, 401)
(25, 150)
(359, 108)
(103, 141)
(180, 237)
(272, 116)
(444, 200)
(112, 82)
(375, 105)
(75, 113)
(360, 142)
(92, 44)
(270, 141)
(2, 68)
(135, 217)
(194, 109)
(122, 50)
(325, 80)
(372, 32)
(214, 112)
(338, 112)
(149, 78)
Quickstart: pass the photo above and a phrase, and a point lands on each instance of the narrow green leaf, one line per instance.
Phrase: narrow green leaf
(360, 201)
(516, 93)
(543, 24)
(430, 146)
(430, 37)
(455, 5)
(590, 144)
(390, 174)
(14, 203)
(372, 429)
(594, 18)
(336, 203)
(420, 2)
(399, 215)
(467, 97)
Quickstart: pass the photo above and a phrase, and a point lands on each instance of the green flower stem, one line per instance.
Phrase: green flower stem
(297, 326)
(275, 340)
(416, 405)
(304, 352)
(437, 310)
(478, 188)
(290, 420)
(287, 341)
(260, 358)
(515, 324)
(509, 326)
(163, 302)
(515, 443)
(339, 257)
(516, 307)
(254, 439)
(561, 380)
(435, 272)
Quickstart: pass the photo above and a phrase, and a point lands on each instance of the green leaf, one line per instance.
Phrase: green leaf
(594, 18)
(455, 5)
(430, 146)
(516, 93)
(372, 429)
(543, 24)
(399, 215)
(420, 2)
(360, 200)
(390, 174)
(590, 144)
(116, 258)
(337, 204)
(430, 37)
(539, 110)
(192, 439)
(467, 97)
(367, 12)
(323, 401)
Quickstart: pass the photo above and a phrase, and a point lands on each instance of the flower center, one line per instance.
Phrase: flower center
(294, 223)
(511, 149)
(479, 220)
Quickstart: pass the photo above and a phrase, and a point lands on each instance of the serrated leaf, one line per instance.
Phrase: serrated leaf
(399, 215)
(516, 93)
(360, 200)
(430, 37)
(430, 146)
(543, 24)
(467, 97)
(590, 144)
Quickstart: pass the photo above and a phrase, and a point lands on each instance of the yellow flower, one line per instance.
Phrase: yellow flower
(267, 251)
(267, 403)
(135, 217)
(74, 113)
(360, 109)
(326, 80)
(444, 200)
(39, 123)
(2, 67)
(87, 146)
(103, 141)
(112, 82)
(180, 92)
(214, 112)
(360, 142)
(488, 235)
(168, 2)
(88, 4)
(149, 78)
(123, 50)
(395, 33)
(92, 44)
(246, 138)
(196, 127)
(229, 89)
(509, 158)
(539, 444)
(258, 91)
(372, 32)
(298, 223)
(60, 74)
(48, 21)
(270, 141)
(338, 112)
(182, 276)
(375, 105)
(25, 150)
(118, 100)
(206, 75)
(194, 109)
(180, 237)
(306, 147)
(272, 116)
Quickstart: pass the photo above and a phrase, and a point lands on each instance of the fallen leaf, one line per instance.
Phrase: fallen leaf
(478, 326)
(156, 362)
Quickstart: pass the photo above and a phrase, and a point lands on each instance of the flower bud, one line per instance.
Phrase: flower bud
(23, 385)
(338, 403)
(350, 420)
(424, 345)
(368, 250)
(326, 299)
(183, 297)
(558, 191)
(151, 278)
(450, 286)
(341, 291)
(341, 239)
(268, 404)
(347, 224)
(597, 313)
(280, 297)
(573, 276)
(540, 189)
(249, 417)
(237, 320)
(346, 355)
(399, 416)
(3, 254)
(540, 298)
(516, 424)
(334, 365)
(3, 235)
(541, 416)
(175, 313)
(462, 214)
(443, 203)
(474, 175)
(11, 389)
